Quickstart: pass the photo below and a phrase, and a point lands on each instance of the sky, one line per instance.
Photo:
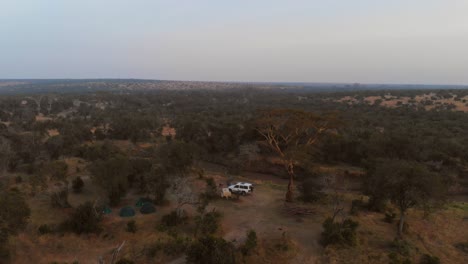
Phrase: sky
(363, 41)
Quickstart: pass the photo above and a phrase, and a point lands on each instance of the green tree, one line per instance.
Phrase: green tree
(406, 184)
(85, 219)
(155, 184)
(14, 214)
(14, 211)
(176, 157)
(112, 176)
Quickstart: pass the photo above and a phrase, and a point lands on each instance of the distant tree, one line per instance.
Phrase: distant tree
(290, 134)
(55, 146)
(407, 184)
(57, 170)
(6, 154)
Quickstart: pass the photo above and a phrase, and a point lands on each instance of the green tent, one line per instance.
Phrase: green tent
(141, 201)
(147, 208)
(106, 210)
(127, 211)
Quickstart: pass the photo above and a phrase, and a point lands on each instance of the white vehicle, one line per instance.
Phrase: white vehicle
(241, 188)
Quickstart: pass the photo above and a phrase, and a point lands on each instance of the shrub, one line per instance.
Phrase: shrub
(390, 217)
(59, 199)
(208, 223)
(124, 261)
(283, 244)
(211, 191)
(18, 179)
(428, 259)
(85, 219)
(462, 246)
(343, 233)
(356, 206)
(44, 229)
(58, 170)
(77, 184)
(173, 247)
(401, 247)
(310, 190)
(176, 246)
(250, 243)
(173, 219)
(131, 226)
(397, 259)
(211, 250)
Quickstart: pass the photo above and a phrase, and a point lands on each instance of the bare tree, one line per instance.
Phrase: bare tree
(290, 134)
(184, 193)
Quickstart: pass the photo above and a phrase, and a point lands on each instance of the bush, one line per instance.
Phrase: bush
(131, 226)
(377, 203)
(176, 246)
(85, 219)
(77, 184)
(250, 243)
(173, 247)
(397, 259)
(343, 233)
(356, 206)
(173, 219)
(124, 261)
(310, 190)
(208, 223)
(211, 191)
(462, 246)
(401, 247)
(18, 179)
(58, 170)
(390, 217)
(44, 229)
(59, 199)
(428, 259)
(211, 250)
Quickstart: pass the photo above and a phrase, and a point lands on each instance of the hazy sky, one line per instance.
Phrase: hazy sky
(376, 41)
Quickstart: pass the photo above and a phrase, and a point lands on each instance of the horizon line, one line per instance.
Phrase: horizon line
(242, 82)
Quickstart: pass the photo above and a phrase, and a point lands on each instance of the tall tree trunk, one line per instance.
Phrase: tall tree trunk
(290, 191)
(402, 223)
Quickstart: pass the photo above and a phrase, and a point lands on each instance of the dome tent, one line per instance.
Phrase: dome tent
(147, 208)
(106, 210)
(141, 201)
(127, 211)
